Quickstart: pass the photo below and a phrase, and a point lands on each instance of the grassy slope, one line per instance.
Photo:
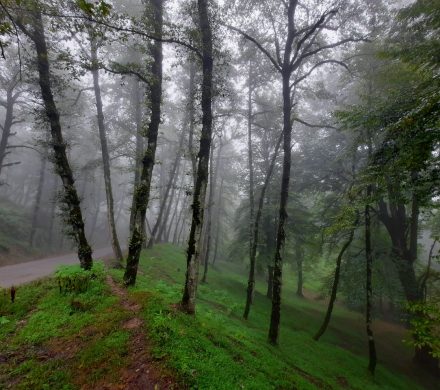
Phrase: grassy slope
(218, 350)
(48, 343)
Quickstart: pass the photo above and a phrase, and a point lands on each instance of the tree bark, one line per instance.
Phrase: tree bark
(139, 149)
(269, 292)
(255, 232)
(117, 263)
(281, 235)
(194, 241)
(74, 218)
(218, 229)
(335, 285)
(142, 191)
(8, 104)
(212, 185)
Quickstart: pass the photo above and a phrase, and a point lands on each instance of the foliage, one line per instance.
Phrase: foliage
(100, 8)
(425, 326)
(74, 279)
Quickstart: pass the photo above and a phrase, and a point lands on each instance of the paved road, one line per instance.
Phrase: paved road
(14, 275)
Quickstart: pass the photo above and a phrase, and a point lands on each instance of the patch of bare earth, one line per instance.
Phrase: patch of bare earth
(143, 372)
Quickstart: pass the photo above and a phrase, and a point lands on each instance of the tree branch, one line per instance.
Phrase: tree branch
(256, 43)
(317, 65)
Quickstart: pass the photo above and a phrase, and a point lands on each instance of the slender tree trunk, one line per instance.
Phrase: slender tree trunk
(218, 229)
(335, 285)
(194, 241)
(251, 281)
(7, 124)
(142, 191)
(176, 208)
(212, 185)
(163, 208)
(139, 149)
(117, 263)
(369, 288)
(281, 235)
(180, 218)
(269, 292)
(37, 205)
(191, 119)
(161, 236)
(255, 232)
(71, 200)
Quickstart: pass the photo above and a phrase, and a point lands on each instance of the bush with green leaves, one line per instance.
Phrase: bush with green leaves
(425, 326)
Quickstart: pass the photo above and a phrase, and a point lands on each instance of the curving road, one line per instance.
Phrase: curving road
(14, 275)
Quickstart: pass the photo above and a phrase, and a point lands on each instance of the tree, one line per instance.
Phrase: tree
(29, 20)
(303, 50)
(194, 240)
(142, 191)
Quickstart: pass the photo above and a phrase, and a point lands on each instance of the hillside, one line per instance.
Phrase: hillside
(108, 338)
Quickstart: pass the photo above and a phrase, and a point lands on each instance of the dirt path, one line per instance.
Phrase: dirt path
(143, 372)
(14, 275)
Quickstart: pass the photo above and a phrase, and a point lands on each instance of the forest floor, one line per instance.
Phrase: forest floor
(113, 338)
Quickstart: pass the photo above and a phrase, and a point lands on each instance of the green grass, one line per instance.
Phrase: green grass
(46, 342)
(217, 349)
(53, 340)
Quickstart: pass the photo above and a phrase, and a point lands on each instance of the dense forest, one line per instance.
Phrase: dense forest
(250, 190)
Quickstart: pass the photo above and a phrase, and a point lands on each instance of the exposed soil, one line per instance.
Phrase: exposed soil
(143, 372)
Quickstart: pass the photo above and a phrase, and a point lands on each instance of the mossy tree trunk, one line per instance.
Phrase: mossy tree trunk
(142, 191)
(194, 240)
(34, 29)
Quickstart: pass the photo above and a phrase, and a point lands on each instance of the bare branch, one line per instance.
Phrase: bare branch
(256, 43)
(126, 71)
(10, 164)
(322, 126)
(317, 65)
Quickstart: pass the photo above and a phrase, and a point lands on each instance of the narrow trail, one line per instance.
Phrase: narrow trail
(143, 372)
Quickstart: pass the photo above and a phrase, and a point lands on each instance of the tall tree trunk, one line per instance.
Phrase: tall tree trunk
(269, 292)
(74, 218)
(251, 281)
(218, 229)
(139, 148)
(191, 119)
(194, 241)
(157, 229)
(117, 263)
(161, 236)
(179, 190)
(255, 232)
(37, 205)
(142, 191)
(8, 104)
(281, 235)
(335, 285)
(212, 185)
(369, 288)
(179, 219)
